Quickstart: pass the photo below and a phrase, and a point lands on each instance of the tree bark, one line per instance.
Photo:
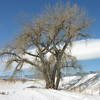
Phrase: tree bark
(58, 79)
(48, 80)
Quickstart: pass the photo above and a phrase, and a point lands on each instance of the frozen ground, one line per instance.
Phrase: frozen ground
(21, 91)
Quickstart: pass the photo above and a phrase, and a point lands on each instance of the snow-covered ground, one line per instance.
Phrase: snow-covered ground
(34, 89)
(21, 91)
(76, 87)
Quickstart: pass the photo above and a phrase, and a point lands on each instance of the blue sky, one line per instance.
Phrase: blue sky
(90, 65)
(11, 12)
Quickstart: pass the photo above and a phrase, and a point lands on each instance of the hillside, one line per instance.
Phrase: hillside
(22, 91)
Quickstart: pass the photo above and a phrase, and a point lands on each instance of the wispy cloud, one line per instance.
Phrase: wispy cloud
(86, 49)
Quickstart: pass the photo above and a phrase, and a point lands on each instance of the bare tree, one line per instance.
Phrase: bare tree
(51, 36)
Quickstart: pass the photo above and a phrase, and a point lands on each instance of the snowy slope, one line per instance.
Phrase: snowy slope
(19, 91)
(88, 84)
(84, 84)
(34, 89)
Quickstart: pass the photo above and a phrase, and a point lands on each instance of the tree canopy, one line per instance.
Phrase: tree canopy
(51, 35)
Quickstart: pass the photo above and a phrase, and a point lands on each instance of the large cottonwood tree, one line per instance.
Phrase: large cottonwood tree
(50, 35)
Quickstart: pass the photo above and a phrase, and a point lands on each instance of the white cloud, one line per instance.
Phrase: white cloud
(86, 49)
(82, 50)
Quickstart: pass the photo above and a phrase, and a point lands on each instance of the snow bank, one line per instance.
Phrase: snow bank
(19, 91)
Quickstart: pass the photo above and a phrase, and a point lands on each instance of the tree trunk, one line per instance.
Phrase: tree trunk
(58, 79)
(50, 85)
(49, 76)
(54, 73)
(48, 80)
